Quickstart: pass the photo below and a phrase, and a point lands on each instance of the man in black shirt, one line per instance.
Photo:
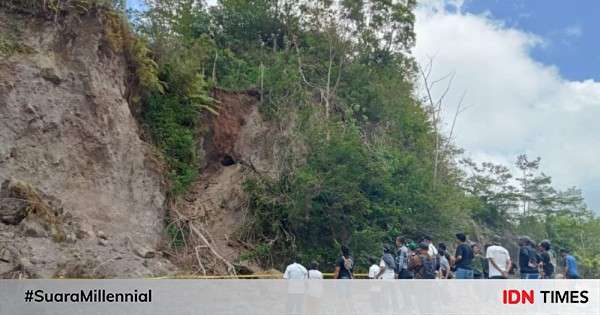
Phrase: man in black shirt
(344, 265)
(546, 260)
(528, 259)
(463, 258)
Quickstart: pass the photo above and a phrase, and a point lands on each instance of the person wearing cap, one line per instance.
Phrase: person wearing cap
(422, 264)
(463, 258)
(412, 255)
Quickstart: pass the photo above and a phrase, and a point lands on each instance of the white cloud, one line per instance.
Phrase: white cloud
(517, 104)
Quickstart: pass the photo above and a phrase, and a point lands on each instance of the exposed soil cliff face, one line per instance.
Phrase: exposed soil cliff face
(82, 195)
(67, 133)
(239, 144)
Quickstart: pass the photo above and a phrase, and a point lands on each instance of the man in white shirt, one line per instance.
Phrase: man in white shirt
(498, 260)
(296, 273)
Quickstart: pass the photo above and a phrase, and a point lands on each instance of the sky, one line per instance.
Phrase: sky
(530, 73)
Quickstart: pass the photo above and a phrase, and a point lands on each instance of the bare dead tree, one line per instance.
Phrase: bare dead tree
(459, 110)
(436, 106)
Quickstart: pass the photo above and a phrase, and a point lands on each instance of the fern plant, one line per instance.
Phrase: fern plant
(198, 96)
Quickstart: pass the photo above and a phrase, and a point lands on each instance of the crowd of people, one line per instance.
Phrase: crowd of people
(423, 260)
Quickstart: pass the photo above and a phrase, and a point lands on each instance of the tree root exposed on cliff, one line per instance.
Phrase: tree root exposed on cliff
(202, 234)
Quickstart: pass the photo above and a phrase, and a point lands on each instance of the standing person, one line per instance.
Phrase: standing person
(375, 289)
(386, 264)
(528, 259)
(313, 271)
(545, 260)
(570, 265)
(431, 250)
(402, 255)
(443, 248)
(386, 272)
(412, 255)
(344, 265)
(499, 263)
(295, 272)
(444, 271)
(374, 269)
(315, 289)
(479, 262)
(422, 264)
(463, 258)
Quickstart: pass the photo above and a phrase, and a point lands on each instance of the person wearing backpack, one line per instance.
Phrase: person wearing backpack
(528, 259)
(463, 258)
(422, 264)
(547, 266)
(344, 265)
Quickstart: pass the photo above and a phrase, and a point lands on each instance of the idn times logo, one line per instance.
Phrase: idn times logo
(513, 296)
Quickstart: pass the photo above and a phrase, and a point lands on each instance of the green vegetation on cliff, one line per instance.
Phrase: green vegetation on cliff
(375, 164)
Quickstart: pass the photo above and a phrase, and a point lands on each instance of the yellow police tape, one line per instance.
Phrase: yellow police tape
(214, 277)
(252, 276)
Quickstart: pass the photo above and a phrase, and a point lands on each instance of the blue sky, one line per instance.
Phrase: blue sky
(569, 29)
(531, 73)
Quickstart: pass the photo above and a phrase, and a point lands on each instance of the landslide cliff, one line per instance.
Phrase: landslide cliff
(82, 195)
(239, 144)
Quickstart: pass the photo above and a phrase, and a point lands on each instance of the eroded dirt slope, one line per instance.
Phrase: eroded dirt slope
(67, 134)
(240, 144)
